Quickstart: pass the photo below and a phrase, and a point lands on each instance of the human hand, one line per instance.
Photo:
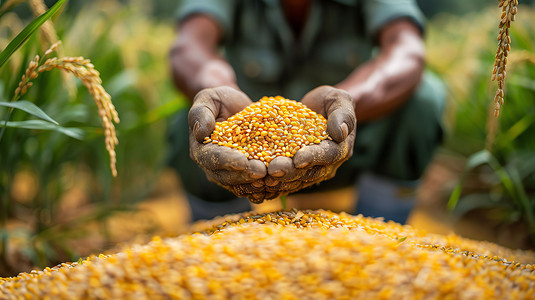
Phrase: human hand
(223, 165)
(214, 73)
(315, 163)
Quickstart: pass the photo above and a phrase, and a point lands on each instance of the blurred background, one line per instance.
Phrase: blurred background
(59, 201)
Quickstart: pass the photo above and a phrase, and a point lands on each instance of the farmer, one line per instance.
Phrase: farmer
(342, 58)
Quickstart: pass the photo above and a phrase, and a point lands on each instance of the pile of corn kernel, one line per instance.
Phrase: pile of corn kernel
(271, 127)
(291, 255)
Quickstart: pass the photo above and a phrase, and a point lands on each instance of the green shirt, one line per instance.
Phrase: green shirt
(257, 41)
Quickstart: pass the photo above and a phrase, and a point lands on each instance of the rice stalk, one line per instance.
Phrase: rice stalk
(84, 70)
(48, 33)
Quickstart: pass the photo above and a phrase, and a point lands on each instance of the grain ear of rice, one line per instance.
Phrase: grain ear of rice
(47, 32)
(291, 255)
(84, 70)
(509, 11)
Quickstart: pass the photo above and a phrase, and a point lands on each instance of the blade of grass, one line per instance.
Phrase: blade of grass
(4, 125)
(515, 130)
(23, 36)
(455, 196)
(30, 108)
(283, 202)
(476, 159)
(42, 125)
(3, 246)
(523, 199)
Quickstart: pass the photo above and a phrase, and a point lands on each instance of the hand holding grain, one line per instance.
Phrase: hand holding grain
(318, 162)
(222, 165)
(269, 133)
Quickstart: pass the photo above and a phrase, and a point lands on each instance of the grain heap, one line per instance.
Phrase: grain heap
(271, 127)
(291, 255)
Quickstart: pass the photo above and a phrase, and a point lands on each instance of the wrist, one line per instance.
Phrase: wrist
(215, 73)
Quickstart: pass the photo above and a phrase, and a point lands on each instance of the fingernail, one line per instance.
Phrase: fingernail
(302, 165)
(258, 183)
(271, 181)
(257, 198)
(237, 167)
(345, 130)
(195, 127)
(254, 174)
(278, 173)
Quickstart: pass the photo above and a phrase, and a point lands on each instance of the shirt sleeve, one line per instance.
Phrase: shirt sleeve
(377, 13)
(222, 11)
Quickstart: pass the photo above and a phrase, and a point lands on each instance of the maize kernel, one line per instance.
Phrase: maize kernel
(271, 124)
(291, 254)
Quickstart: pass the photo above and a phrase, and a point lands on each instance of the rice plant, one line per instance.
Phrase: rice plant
(499, 172)
(56, 185)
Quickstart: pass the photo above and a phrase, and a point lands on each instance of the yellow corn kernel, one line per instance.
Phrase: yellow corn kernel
(271, 124)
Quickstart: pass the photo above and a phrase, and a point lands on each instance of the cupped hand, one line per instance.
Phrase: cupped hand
(223, 165)
(315, 163)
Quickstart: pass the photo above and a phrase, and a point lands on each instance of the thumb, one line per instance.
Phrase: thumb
(341, 119)
(201, 116)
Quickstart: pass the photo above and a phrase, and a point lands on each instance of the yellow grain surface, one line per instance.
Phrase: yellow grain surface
(271, 127)
(291, 255)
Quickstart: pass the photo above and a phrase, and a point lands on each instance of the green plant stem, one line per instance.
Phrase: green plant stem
(4, 126)
(15, 98)
(3, 247)
(3, 222)
(283, 201)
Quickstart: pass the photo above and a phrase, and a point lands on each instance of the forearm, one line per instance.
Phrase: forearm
(382, 85)
(194, 59)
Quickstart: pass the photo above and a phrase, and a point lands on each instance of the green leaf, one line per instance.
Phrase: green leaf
(477, 201)
(478, 158)
(454, 197)
(515, 130)
(25, 34)
(525, 201)
(121, 82)
(523, 163)
(3, 243)
(283, 201)
(30, 108)
(75, 133)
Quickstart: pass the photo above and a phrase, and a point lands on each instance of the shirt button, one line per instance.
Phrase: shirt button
(251, 69)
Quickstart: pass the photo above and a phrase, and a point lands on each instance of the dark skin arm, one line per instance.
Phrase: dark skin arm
(194, 57)
(377, 88)
(383, 84)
